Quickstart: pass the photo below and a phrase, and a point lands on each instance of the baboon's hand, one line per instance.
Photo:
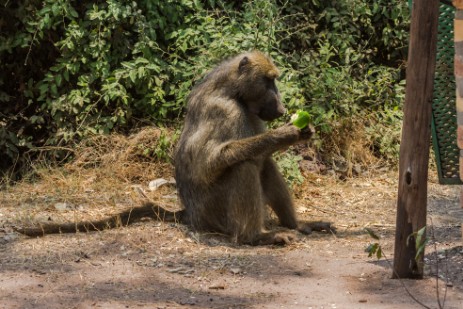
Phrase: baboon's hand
(293, 133)
(306, 133)
(302, 134)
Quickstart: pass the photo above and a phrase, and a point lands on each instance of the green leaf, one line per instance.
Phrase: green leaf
(379, 253)
(420, 251)
(58, 79)
(157, 81)
(56, 9)
(43, 88)
(141, 60)
(421, 242)
(36, 119)
(371, 249)
(133, 75)
(66, 75)
(46, 21)
(141, 72)
(13, 138)
(73, 12)
(371, 233)
(419, 235)
(54, 90)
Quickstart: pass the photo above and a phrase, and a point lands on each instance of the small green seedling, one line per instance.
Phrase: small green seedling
(300, 119)
(420, 242)
(375, 248)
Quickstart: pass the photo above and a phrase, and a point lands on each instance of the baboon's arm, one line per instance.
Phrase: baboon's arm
(259, 146)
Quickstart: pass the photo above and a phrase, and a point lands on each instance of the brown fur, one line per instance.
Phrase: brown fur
(224, 170)
(125, 218)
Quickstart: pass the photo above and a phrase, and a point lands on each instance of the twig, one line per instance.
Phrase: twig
(30, 46)
(403, 284)
(441, 306)
(50, 148)
(446, 281)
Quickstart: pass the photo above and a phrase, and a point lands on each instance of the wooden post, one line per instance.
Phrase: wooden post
(416, 133)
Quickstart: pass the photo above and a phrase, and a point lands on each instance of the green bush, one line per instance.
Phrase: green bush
(288, 163)
(71, 69)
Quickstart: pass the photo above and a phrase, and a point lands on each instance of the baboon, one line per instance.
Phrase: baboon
(223, 166)
(224, 169)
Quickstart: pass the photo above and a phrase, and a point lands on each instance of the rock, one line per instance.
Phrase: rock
(235, 270)
(157, 183)
(62, 206)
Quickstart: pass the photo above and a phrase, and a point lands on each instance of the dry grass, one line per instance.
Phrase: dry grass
(128, 159)
(100, 180)
(349, 147)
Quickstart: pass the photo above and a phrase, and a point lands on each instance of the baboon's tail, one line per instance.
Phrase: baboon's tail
(122, 219)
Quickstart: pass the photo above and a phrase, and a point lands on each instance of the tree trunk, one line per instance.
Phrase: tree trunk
(416, 132)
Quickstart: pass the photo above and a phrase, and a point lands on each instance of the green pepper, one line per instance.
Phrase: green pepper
(300, 119)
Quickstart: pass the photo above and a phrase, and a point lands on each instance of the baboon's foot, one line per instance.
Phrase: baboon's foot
(319, 226)
(274, 238)
(283, 238)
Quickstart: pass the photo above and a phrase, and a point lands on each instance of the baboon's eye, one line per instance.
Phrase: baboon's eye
(269, 81)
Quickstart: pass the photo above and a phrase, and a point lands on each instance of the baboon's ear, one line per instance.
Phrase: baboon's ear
(243, 63)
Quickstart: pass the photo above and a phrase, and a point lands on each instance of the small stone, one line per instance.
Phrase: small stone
(235, 270)
(62, 206)
(155, 184)
(217, 287)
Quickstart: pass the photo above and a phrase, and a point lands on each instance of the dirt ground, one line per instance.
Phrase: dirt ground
(155, 264)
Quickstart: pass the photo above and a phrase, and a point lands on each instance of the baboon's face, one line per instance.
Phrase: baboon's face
(268, 100)
(261, 94)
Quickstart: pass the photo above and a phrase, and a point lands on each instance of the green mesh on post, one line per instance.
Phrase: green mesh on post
(444, 114)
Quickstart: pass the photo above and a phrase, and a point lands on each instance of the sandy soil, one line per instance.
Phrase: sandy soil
(163, 265)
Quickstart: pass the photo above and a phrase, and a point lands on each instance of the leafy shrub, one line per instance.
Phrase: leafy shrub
(75, 69)
(288, 163)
